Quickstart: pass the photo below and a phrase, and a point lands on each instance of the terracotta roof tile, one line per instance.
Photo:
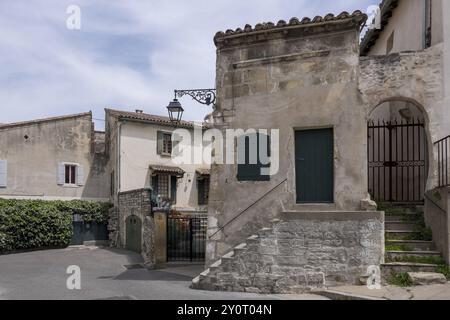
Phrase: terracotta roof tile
(161, 120)
(203, 171)
(167, 169)
(357, 15)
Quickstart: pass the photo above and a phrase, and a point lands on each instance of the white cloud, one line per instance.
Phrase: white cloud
(128, 54)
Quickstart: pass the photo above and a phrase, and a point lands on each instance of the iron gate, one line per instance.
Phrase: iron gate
(186, 238)
(397, 153)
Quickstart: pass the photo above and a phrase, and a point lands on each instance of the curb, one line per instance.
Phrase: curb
(344, 296)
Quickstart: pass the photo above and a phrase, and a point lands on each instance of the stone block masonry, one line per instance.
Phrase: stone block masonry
(137, 203)
(304, 251)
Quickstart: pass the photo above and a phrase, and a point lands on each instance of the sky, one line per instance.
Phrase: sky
(127, 54)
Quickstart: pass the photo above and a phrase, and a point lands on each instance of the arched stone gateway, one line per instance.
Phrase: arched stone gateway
(414, 79)
(397, 151)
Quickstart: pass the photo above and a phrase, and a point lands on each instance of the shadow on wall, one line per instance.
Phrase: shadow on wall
(97, 183)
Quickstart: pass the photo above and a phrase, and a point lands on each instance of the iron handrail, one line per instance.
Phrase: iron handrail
(445, 138)
(246, 209)
(443, 151)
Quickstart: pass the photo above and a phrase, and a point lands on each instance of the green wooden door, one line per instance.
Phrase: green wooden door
(314, 166)
(134, 234)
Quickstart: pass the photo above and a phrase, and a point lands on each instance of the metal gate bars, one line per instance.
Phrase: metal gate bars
(186, 238)
(397, 153)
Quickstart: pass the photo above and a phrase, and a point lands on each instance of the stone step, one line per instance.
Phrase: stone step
(426, 278)
(227, 263)
(265, 232)
(253, 240)
(387, 269)
(415, 254)
(400, 225)
(403, 218)
(399, 234)
(401, 209)
(413, 245)
(215, 266)
(240, 249)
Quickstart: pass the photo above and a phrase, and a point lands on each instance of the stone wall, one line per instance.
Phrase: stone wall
(437, 217)
(303, 251)
(415, 77)
(138, 203)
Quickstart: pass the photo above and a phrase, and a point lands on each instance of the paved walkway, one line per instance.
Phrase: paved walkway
(42, 275)
(431, 292)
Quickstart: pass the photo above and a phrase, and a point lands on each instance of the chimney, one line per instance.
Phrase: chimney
(139, 111)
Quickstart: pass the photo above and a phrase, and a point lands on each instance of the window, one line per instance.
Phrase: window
(164, 143)
(203, 191)
(165, 186)
(70, 174)
(250, 163)
(390, 43)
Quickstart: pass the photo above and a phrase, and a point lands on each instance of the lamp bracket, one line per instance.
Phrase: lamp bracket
(203, 96)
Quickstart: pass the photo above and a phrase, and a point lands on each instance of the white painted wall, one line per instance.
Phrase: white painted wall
(408, 21)
(138, 150)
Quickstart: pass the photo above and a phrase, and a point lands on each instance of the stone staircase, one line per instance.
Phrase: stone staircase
(300, 253)
(241, 270)
(244, 270)
(409, 245)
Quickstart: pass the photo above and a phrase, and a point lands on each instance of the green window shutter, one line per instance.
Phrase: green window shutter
(252, 172)
(61, 178)
(159, 144)
(201, 191)
(176, 139)
(155, 185)
(80, 175)
(3, 173)
(173, 189)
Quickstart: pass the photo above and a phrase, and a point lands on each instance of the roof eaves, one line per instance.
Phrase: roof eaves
(50, 119)
(370, 38)
(357, 16)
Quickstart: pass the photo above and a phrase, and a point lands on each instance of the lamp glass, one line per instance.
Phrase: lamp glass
(175, 111)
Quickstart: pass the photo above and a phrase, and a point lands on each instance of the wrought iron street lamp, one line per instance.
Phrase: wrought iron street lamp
(202, 96)
(175, 111)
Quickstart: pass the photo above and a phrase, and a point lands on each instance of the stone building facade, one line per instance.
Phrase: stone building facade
(60, 158)
(299, 76)
(416, 35)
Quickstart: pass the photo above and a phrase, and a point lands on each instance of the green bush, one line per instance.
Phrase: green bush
(33, 224)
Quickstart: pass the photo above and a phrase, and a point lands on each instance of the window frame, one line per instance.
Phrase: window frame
(166, 143)
(75, 183)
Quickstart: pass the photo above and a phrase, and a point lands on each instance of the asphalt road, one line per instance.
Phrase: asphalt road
(42, 275)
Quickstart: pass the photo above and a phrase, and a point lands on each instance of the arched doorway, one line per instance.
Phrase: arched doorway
(397, 152)
(134, 234)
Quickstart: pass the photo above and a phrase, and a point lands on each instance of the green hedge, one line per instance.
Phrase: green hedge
(33, 224)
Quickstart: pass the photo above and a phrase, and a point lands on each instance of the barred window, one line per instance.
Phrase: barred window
(163, 186)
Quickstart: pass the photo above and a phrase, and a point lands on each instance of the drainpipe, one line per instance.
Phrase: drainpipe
(119, 134)
(427, 25)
